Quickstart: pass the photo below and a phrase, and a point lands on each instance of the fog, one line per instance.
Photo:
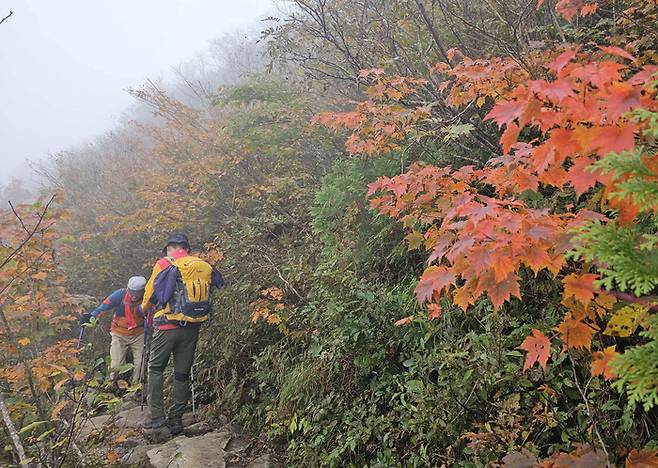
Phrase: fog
(65, 66)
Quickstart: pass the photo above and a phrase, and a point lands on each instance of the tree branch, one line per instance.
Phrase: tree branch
(6, 17)
(30, 234)
(15, 439)
(430, 26)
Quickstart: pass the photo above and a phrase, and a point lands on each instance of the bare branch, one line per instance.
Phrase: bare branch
(6, 17)
(31, 234)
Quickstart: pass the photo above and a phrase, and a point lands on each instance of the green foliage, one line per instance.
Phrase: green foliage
(638, 368)
(630, 254)
(354, 239)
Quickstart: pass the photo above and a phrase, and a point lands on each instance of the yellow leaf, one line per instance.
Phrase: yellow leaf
(40, 276)
(58, 408)
(24, 341)
(624, 322)
(112, 457)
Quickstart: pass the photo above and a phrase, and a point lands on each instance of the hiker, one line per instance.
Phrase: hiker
(127, 328)
(178, 299)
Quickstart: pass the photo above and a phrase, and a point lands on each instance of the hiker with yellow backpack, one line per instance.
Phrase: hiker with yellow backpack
(178, 299)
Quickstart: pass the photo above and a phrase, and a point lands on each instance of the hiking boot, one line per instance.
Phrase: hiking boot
(154, 423)
(175, 424)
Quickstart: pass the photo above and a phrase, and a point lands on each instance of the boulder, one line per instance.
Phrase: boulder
(264, 461)
(188, 419)
(237, 445)
(132, 417)
(197, 429)
(137, 457)
(206, 450)
(95, 424)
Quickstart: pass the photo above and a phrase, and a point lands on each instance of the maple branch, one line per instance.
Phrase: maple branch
(31, 234)
(19, 275)
(13, 434)
(6, 17)
(588, 410)
(20, 220)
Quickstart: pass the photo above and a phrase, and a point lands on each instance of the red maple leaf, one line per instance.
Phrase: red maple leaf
(561, 61)
(404, 321)
(538, 348)
(502, 291)
(433, 311)
(623, 97)
(601, 363)
(580, 287)
(505, 111)
(580, 177)
(618, 51)
(435, 278)
(574, 333)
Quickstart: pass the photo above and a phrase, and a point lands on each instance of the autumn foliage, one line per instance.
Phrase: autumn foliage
(560, 112)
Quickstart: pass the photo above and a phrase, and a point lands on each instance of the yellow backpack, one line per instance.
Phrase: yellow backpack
(186, 289)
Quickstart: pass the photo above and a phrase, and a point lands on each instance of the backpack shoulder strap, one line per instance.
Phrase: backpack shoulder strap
(165, 262)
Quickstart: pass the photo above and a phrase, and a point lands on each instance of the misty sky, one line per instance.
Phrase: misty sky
(65, 64)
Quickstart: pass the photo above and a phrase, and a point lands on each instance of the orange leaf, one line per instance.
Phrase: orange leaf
(503, 290)
(642, 459)
(580, 177)
(601, 363)
(509, 137)
(435, 279)
(404, 321)
(42, 275)
(618, 51)
(58, 408)
(538, 348)
(505, 112)
(581, 287)
(574, 333)
(433, 311)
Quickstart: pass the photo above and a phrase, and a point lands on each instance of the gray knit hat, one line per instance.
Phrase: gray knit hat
(137, 283)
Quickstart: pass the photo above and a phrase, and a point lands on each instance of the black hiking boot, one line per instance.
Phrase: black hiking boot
(175, 424)
(154, 423)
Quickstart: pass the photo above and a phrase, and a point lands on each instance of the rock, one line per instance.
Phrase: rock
(206, 450)
(222, 420)
(131, 442)
(237, 444)
(137, 456)
(132, 417)
(264, 461)
(94, 424)
(188, 419)
(197, 429)
(157, 436)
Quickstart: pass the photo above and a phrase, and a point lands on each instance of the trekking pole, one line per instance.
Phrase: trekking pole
(192, 385)
(80, 337)
(143, 370)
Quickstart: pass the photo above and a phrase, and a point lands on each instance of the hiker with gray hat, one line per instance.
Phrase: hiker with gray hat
(127, 328)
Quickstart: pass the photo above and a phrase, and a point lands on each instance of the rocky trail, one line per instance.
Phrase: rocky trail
(116, 438)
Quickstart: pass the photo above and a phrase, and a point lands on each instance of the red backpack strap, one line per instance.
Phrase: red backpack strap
(165, 262)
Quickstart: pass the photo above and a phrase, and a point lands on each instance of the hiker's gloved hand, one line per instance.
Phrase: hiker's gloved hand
(85, 318)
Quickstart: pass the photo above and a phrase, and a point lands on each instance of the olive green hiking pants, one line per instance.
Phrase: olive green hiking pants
(181, 343)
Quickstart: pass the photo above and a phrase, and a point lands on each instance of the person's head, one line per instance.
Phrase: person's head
(175, 242)
(136, 286)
